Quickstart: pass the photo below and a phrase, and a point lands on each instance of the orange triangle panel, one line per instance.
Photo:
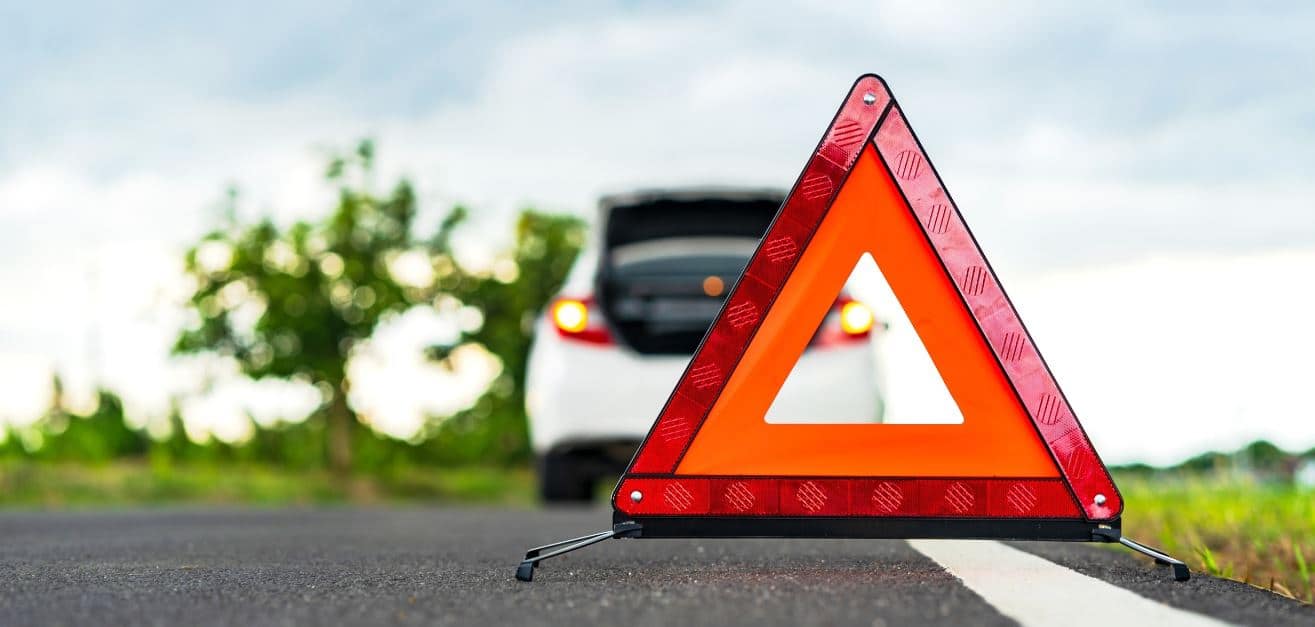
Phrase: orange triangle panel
(1019, 453)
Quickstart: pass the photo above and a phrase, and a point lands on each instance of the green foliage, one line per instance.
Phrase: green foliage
(292, 302)
(95, 438)
(1259, 460)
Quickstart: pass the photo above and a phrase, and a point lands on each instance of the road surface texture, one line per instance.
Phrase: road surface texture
(455, 566)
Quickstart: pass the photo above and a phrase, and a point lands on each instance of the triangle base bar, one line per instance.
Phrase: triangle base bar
(894, 528)
(852, 528)
(875, 497)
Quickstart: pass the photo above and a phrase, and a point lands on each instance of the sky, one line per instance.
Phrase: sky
(1139, 176)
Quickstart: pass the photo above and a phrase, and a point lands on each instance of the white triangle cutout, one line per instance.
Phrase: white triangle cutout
(894, 383)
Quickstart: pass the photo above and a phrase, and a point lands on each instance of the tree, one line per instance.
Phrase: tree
(291, 302)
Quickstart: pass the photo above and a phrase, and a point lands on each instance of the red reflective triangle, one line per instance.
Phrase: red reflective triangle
(1020, 452)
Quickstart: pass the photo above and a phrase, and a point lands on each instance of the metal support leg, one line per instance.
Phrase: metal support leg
(525, 572)
(1180, 571)
(536, 551)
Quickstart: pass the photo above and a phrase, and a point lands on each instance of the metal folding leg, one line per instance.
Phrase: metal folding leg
(1180, 570)
(525, 572)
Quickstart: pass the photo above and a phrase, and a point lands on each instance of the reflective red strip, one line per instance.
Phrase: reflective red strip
(670, 435)
(765, 275)
(665, 497)
(826, 496)
(995, 314)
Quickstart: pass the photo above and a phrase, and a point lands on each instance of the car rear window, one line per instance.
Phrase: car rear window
(668, 264)
(683, 218)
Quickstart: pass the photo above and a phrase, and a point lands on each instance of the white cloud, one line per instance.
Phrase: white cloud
(28, 376)
(1177, 354)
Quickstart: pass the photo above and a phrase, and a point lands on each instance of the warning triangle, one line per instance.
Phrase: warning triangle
(1019, 465)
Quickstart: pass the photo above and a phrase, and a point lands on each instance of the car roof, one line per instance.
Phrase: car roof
(689, 194)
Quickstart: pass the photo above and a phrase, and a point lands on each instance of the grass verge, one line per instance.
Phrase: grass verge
(1260, 534)
(43, 485)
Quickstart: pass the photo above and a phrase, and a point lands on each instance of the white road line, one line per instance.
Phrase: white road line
(1036, 591)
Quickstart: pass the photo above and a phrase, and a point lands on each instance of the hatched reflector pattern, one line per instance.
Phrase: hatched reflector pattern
(826, 496)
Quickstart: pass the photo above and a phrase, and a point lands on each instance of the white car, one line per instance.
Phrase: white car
(610, 347)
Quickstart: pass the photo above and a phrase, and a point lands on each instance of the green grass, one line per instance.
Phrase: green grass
(1261, 534)
(44, 485)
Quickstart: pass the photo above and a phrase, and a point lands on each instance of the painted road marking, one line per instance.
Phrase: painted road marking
(1036, 591)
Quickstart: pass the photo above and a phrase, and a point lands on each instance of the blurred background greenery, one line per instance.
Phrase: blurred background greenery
(291, 302)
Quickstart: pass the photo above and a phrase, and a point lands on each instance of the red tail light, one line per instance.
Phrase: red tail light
(578, 319)
(848, 321)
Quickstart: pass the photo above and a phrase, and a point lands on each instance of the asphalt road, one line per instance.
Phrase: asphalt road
(450, 566)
